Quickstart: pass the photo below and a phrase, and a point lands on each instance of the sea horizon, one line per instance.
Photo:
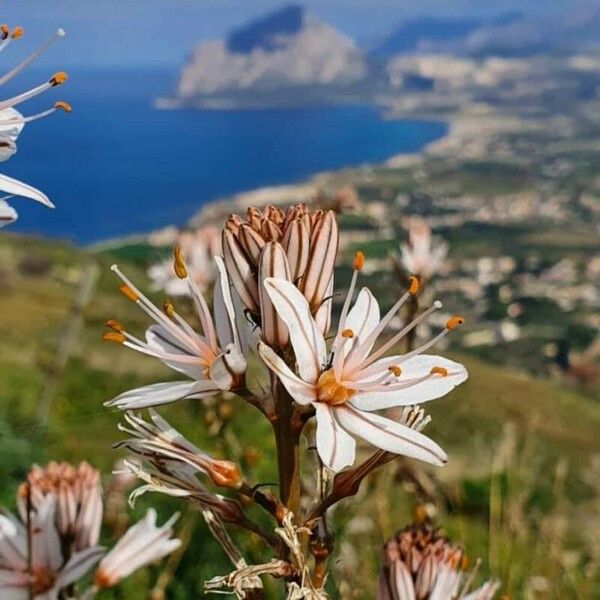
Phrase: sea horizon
(118, 167)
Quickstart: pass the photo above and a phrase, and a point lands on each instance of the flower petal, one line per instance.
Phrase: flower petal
(323, 250)
(78, 565)
(226, 368)
(307, 340)
(273, 262)
(7, 214)
(388, 435)
(9, 185)
(301, 392)
(223, 307)
(362, 319)
(159, 338)
(297, 244)
(417, 369)
(162, 393)
(336, 448)
(240, 271)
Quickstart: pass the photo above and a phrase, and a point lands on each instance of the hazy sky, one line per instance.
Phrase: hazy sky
(109, 32)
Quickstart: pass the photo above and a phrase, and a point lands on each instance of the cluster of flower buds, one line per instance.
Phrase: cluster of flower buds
(422, 564)
(298, 245)
(77, 493)
(12, 121)
(54, 543)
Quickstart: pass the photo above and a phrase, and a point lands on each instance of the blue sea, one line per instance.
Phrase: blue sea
(117, 166)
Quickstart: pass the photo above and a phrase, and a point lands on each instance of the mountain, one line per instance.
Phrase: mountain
(426, 33)
(287, 57)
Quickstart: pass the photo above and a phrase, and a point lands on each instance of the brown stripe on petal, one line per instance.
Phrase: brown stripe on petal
(273, 263)
(297, 244)
(321, 261)
(240, 272)
(251, 241)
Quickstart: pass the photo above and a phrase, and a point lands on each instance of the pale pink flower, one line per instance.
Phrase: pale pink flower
(422, 564)
(350, 382)
(198, 248)
(78, 495)
(12, 122)
(421, 256)
(142, 544)
(214, 361)
(45, 573)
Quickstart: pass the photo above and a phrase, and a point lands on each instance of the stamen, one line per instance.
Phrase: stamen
(148, 307)
(439, 371)
(413, 285)
(454, 322)
(115, 325)
(359, 261)
(395, 370)
(17, 33)
(4, 31)
(128, 292)
(62, 105)
(26, 62)
(113, 336)
(347, 333)
(58, 78)
(179, 263)
(168, 308)
(396, 338)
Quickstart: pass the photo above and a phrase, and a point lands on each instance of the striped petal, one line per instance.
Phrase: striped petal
(336, 448)
(302, 392)
(8, 214)
(388, 435)
(321, 261)
(362, 320)
(227, 367)
(162, 393)
(8, 185)
(307, 340)
(159, 338)
(224, 309)
(273, 263)
(416, 384)
(240, 271)
(296, 243)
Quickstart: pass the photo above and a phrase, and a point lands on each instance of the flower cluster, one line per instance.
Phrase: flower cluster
(54, 543)
(273, 296)
(421, 564)
(12, 121)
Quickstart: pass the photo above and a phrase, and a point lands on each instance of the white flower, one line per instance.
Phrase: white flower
(142, 544)
(199, 247)
(45, 572)
(420, 256)
(12, 122)
(214, 361)
(351, 381)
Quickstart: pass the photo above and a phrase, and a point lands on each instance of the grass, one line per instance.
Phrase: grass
(517, 491)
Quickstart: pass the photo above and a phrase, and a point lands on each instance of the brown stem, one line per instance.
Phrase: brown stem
(287, 428)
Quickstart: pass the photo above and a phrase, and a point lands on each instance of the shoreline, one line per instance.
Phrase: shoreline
(288, 193)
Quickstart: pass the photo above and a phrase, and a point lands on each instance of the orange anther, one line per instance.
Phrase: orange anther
(439, 371)
(115, 325)
(17, 33)
(413, 285)
(395, 370)
(168, 308)
(128, 292)
(178, 263)
(348, 334)
(113, 336)
(359, 261)
(454, 322)
(4, 31)
(62, 105)
(58, 78)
